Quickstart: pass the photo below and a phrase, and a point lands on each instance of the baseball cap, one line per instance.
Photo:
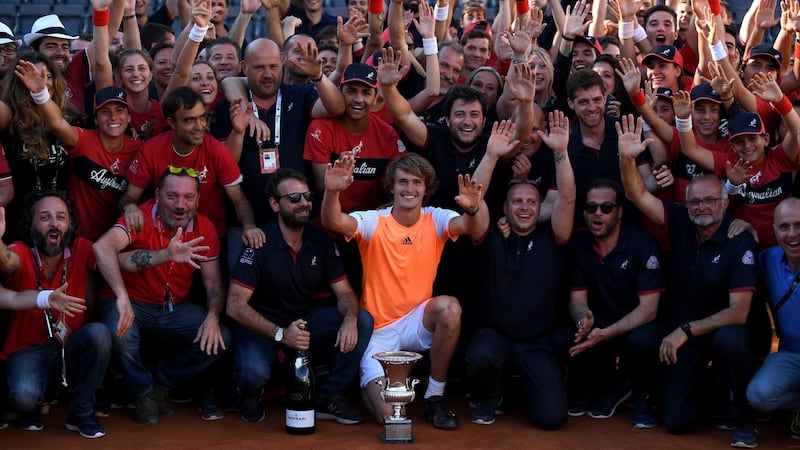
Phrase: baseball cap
(47, 26)
(766, 51)
(664, 92)
(667, 53)
(592, 41)
(108, 95)
(360, 73)
(704, 91)
(745, 123)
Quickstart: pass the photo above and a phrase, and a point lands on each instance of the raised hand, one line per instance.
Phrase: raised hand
(520, 39)
(536, 26)
(201, 12)
(500, 142)
(33, 78)
(719, 82)
(469, 193)
(764, 86)
(630, 74)
(629, 132)
(66, 304)
(250, 6)
(765, 14)
(308, 63)
(186, 252)
(426, 23)
(389, 69)
(339, 175)
(738, 173)
(354, 30)
(99, 5)
(682, 104)
(522, 85)
(558, 137)
(576, 22)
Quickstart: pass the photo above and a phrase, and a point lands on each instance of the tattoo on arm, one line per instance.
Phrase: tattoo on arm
(141, 259)
(560, 157)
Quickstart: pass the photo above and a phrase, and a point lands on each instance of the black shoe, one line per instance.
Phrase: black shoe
(437, 412)
(251, 409)
(209, 409)
(147, 409)
(335, 407)
(161, 395)
(608, 404)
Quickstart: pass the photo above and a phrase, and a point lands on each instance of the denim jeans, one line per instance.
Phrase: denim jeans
(254, 353)
(86, 355)
(776, 385)
(173, 330)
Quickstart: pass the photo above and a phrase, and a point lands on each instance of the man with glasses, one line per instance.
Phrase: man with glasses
(148, 275)
(714, 278)
(294, 279)
(8, 50)
(615, 284)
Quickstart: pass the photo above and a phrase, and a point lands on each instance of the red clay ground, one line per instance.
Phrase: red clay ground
(185, 430)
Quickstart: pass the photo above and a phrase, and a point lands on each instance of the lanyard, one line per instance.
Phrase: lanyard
(276, 131)
(169, 302)
(49, 320)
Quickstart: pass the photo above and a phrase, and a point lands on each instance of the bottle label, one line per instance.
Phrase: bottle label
(299, 419)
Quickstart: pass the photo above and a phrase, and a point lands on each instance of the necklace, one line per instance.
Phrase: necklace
(182, 155)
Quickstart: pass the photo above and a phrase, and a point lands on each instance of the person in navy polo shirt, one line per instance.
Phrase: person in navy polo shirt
(714, 279)
(615, 288)
(277, 287)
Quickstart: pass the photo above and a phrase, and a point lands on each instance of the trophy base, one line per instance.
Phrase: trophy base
(397, 432)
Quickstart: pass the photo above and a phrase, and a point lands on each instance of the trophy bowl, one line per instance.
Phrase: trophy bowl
(398, 390)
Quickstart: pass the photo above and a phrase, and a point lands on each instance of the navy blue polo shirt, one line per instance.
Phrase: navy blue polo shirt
(297, 101)
(307, 27)
(616, 281)
(542, 174)
(449, 163)
(285, 283)
(520, 283)
(704, 275)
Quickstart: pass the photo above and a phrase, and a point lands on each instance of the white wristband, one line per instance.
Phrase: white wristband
(639, 34)
(626, 30)
(430, 46)
(40, 98)
(683, 125)
(440, 13)
(43, 299)
(718, 51)
(198, 33)
(734, 189)
(646, 127)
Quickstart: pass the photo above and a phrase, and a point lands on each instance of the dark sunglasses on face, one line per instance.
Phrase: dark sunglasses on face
(605, 207)
(294, 197)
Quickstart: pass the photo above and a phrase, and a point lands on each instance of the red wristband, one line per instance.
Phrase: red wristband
(796, 50)
(638, 99)
(784, 106)
(715, 6)
(523, 6)
(375, 6)
(101, 18)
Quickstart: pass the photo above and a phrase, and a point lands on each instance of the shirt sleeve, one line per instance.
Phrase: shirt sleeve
(319, 143)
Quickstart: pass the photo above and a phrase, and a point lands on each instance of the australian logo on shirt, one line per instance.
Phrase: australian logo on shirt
(769, 192)
(108, 181)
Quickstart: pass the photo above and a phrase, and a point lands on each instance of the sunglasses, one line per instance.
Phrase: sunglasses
(605, 207)
(294, 197)
(178, 170)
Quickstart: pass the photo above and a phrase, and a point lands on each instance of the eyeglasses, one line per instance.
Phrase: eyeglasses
(8, 49)
(178, 170)
(294, 197)
(708, 201)
(605, 207)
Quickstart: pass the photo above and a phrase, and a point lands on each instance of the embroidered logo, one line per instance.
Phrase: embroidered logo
(313, 261)
(472, 164)
(624, 265)
(530, 245)
(400, 146)
(407, 241)
(247, 256)
(316, 134)
(202, 176)
(716, 259)
(289, 108)
(748, 258)
(753, 123)
(755, 178)
(357, 149)
(652, 262)
(115, 167)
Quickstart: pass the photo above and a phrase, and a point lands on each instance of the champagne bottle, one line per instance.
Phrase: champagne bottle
(300, 395)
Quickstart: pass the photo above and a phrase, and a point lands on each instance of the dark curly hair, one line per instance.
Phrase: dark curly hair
(25, 228)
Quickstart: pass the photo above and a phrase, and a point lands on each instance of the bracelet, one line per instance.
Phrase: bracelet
(638, 99)
(626, 30)
(198, 33)
(515, 60)
(40, 98)
(129, 17)
(683, 125)
(783, 106)
(523, 6)
(726, 99)
(100, 18)
(734, 189)
(430, 46)
(718, 51)
(473, 213)
(440, 13)
(639, 34)
(375, 6)
(43, 299)
(566, 38)
(316, 80)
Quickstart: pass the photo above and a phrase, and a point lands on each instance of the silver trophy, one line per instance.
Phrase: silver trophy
(398, 390)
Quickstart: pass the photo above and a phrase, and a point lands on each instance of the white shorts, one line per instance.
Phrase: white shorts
(406, 333)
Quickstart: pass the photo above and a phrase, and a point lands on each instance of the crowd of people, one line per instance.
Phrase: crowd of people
(179, 213)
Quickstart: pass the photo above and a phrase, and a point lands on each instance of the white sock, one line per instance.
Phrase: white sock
(434, 387)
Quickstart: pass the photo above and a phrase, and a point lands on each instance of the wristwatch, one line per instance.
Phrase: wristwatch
(686, 328)
(279, 335)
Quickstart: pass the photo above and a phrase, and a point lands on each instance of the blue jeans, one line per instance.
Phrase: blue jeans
(254, 353)
(86, 356)
(174, 330)
(776, 385)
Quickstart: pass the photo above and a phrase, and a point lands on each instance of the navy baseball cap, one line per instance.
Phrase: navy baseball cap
(591, 40)
(704, 91)
(745, 123)
(668, 53)
(665, 93)
(360, 73)
(766, 51)
(108, 95)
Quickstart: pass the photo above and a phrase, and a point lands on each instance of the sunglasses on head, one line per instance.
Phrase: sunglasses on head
(294, 197)
(605, 207)
(177, 170)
